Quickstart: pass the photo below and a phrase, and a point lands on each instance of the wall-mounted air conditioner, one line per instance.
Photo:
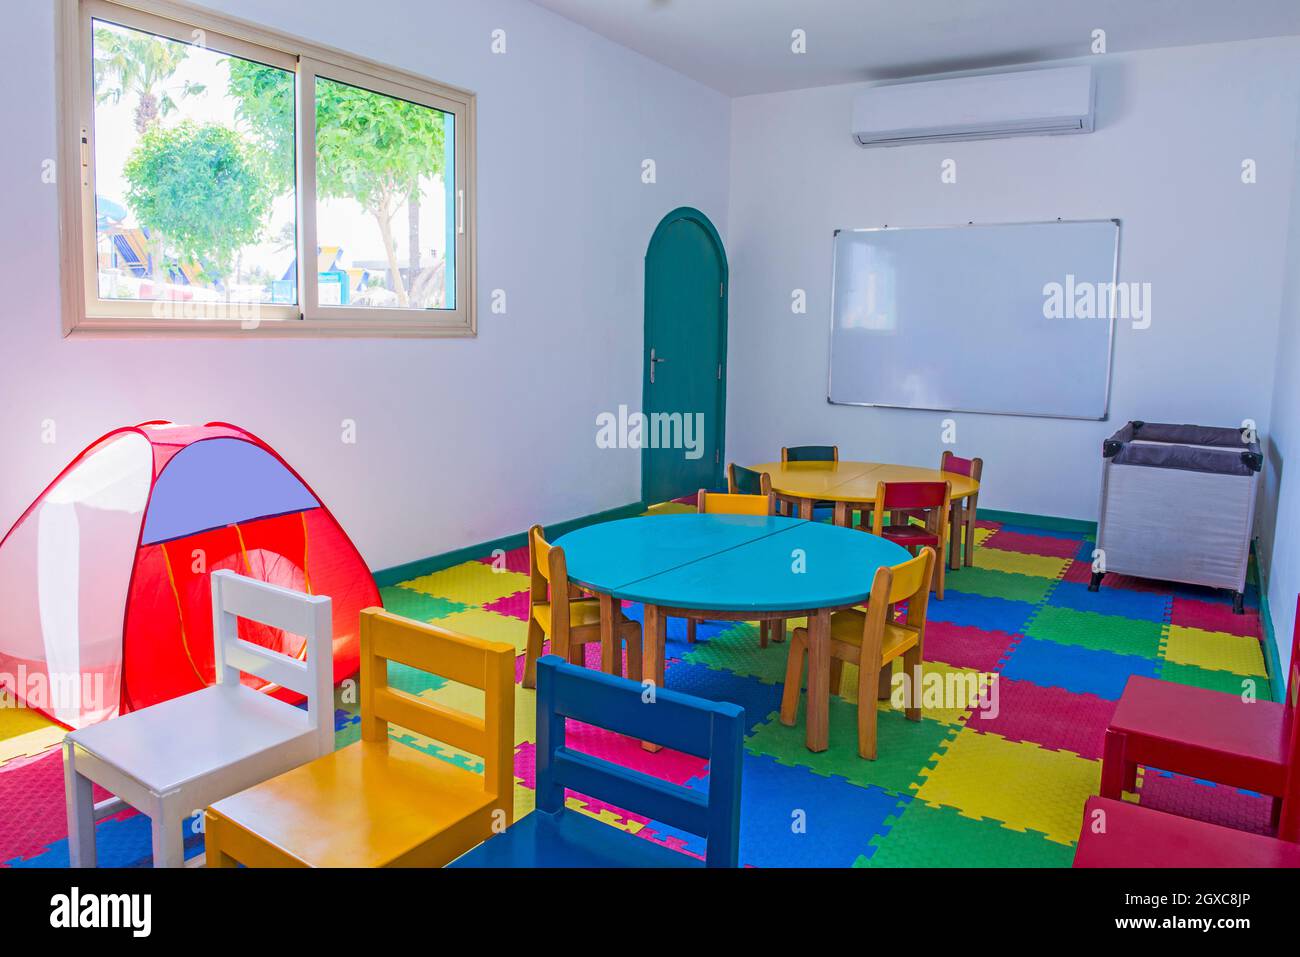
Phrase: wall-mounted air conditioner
(1024, 103)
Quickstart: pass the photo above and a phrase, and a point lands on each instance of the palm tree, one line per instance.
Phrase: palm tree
(130, 62)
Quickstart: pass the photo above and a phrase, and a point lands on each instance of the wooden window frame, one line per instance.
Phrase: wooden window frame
(85, 314)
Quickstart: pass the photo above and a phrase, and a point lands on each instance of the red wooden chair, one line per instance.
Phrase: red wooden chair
(1205, 734)
(928, 500)
(963, 510)
(1120, 834)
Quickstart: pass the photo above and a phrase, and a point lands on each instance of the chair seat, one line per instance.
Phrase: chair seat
(1136, 836)
(848, 627)
(176, 742)
(570, 839)
(1206, 728)
(909, 535)
(582, 614)
(371, 804)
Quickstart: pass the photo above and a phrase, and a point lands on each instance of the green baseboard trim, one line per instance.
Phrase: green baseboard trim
(1272, 660)
(436, 563)
(1047, 522)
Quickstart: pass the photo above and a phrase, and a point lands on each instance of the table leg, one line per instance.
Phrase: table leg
(819, 679)
(954, 535)
(842, 514)
(79, 793)
(611, 651)
(652, 662)
(806, 509)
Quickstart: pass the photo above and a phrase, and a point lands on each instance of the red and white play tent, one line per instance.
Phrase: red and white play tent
(104, 579)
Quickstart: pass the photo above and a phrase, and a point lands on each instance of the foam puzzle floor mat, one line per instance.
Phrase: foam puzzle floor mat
(995, 782)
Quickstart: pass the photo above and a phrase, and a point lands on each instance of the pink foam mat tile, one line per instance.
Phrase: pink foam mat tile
(1052, 718)
(1216, 803)
(32, 806)
(1078, 572)
(1215, 616)
(1032, 544)
(516, 560)
(964, 646)
(526, 771)
(514, 606)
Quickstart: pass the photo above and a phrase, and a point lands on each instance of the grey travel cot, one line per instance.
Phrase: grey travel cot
(1178, 504)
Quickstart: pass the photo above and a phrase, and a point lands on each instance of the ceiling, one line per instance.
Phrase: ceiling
(744, 46)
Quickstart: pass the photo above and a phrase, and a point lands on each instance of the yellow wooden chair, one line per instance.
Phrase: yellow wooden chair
(728, 503)
(570, 623)
(872, 639)
(381, 803)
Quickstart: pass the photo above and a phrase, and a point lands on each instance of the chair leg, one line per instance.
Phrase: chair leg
(867, 716)
(1112, 766)
(939, 568)
(532, 652)
(793, 680)
(912, 669)
(776, 630)
(837, 674)
(690, 631)
(885, 683)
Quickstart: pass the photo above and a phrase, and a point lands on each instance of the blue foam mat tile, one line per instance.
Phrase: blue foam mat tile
(981, 611)
(1077, 669)
(1042, 532)
(1120, 602)
(791, 818)
(759, 700)
(123, 840)
(675, 642)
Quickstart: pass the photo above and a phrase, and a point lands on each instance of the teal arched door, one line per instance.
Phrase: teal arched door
(684, 390)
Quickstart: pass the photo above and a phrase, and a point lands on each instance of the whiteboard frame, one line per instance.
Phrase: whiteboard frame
(1110, 331)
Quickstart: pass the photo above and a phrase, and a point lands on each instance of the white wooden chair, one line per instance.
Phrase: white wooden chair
(170, 759)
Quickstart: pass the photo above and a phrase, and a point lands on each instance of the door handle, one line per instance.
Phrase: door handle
(654, 359)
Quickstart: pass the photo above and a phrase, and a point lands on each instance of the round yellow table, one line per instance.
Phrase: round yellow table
(850, 484)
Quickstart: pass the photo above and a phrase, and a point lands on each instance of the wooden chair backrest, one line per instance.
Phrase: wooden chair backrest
(743, 481)
(486, 665)
(724, 503)
(908, 581)
(810, 453)
(932, 497)
(971, 468)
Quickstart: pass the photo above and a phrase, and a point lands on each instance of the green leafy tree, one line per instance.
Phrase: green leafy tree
(370, 148)
(197, 185)
(130, 62)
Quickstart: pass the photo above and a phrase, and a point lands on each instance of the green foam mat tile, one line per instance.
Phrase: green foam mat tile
(1087, 629)
(995, 584)
(417, 605)
(737, 650)
(1224, 681)
(903, 747)
(924, 836)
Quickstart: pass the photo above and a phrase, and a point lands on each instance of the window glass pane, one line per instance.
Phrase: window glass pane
(385, 200)
(194, 175)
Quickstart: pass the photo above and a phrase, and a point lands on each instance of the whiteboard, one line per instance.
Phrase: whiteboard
(1009, 318)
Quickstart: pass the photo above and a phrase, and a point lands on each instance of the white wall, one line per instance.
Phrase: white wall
(1173, 127)
(1281, 540)
(459, 441)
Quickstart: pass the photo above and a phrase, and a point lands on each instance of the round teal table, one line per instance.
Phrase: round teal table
(730, 567)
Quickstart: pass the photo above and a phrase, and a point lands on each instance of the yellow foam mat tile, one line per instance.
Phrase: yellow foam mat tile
(15, 719)
(951, 692)
(1215, 650)
(525, 799)
(30, 744)
(469, 700)
(471, 583)
(1019, 784)
(982, 534)
(489, 626)
(1017, 563)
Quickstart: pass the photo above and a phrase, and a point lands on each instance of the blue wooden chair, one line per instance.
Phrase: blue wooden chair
(822, 511)
(555, 836)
